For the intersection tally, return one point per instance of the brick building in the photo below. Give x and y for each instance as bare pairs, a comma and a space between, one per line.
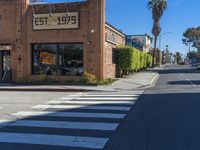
58, 40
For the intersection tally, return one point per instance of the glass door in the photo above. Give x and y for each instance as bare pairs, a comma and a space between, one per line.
5, 69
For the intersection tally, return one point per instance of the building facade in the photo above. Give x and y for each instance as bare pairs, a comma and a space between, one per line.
141, 42
60, 41
114, 38
134, 42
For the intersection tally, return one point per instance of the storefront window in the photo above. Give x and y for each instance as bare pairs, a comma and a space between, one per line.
58, 59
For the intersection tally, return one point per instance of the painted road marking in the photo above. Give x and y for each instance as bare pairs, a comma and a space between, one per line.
5, 122
190, 82
67, 125
71, 114
54, 140
74, 96
114, 95
101, 98
120, 108
93, 102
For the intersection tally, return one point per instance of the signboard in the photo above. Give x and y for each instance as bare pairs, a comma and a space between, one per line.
69, 20
5, 47
111, 37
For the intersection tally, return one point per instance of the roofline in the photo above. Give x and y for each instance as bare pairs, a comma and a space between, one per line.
140, 35
115, 29
56, 3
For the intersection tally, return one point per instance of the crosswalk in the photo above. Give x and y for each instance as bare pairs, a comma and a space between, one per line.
82, 120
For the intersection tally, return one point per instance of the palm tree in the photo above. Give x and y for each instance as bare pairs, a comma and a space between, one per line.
157, 7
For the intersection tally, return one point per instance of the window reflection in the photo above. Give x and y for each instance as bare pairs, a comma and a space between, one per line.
58, 59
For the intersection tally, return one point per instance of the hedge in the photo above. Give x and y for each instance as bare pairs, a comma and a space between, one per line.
130, 59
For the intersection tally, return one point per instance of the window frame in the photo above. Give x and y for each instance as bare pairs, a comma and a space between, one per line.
57, 52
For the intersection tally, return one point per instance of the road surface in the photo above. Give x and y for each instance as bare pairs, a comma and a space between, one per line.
165, 117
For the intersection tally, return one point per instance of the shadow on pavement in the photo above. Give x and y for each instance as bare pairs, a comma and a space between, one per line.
179, 71
161, 122
185, 82
103, 124
155, 122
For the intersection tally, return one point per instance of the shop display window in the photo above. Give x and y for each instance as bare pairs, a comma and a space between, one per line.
57, 59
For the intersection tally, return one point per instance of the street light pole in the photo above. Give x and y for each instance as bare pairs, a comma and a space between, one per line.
160, 38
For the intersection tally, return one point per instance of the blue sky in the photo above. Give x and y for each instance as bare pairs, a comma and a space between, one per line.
133, 17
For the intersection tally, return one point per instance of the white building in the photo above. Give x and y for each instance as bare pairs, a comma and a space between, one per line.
146, 40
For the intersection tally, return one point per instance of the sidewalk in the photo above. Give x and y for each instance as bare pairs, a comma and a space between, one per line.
139, 81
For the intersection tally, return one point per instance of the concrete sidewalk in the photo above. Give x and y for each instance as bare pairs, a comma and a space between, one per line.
140, 80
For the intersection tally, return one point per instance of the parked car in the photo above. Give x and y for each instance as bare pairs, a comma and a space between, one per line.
182, 63
71, 71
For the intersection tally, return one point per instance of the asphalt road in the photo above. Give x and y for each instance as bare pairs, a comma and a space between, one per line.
62, 121
165, 117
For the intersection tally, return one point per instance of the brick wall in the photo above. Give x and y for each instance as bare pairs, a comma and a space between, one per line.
113, 39
16, 26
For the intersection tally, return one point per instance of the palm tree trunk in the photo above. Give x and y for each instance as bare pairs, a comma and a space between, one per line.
154, 51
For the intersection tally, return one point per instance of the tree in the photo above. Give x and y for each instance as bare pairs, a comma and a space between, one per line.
178, 57
157, 7
193, 56
192, 37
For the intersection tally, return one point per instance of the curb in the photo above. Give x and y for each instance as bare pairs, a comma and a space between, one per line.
43, 90
13, 89
151, 83
154, 79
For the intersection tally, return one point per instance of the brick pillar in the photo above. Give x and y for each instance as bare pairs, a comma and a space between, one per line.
20, 37
97, 25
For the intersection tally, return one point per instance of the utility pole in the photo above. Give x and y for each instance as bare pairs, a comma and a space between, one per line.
160, 39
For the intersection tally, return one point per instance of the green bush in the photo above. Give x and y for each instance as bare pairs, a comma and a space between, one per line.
124, 59
106, 82
137, 58
149, 60
88, 78
130, 59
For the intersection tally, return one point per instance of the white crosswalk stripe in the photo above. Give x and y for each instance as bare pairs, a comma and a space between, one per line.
5, 122
101, 98
66, 125
70, 114
138, 92
120, 108
82, 112
114, 95
93, 102
55, 140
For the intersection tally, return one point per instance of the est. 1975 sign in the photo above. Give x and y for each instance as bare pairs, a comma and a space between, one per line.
68, 20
